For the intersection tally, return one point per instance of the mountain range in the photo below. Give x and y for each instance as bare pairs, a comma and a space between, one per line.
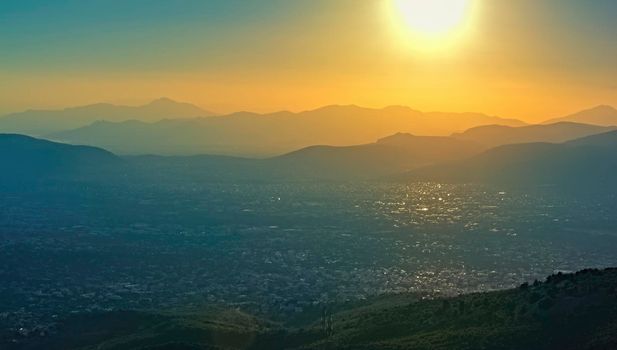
589, 162
263, 135
497, 135
389, 155
257, 135
166, 127
44, 122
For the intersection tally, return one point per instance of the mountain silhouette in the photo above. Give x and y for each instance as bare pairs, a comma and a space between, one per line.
43, 122
497, 135
601, 141
388, 155
29, 159
600, 115
251, 134
586, 163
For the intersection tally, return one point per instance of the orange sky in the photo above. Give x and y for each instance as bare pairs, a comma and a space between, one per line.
527, 59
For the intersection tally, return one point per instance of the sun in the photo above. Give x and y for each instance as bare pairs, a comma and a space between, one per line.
430, 23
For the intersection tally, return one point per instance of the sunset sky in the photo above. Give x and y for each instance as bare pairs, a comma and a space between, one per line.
529, 59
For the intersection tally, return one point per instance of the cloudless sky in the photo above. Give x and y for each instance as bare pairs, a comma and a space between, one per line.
530, 59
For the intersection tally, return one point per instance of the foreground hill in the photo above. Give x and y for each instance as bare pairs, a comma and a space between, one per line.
43, 122
26, 160
600, 115
497, 135
586, 163
567, 311
250, 134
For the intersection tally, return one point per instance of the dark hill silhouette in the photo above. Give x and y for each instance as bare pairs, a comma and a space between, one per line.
566, 312
43, 122
600, 115
586, 163
590, 161
250, 134
604, 140
28, 159
497, 135
32, 158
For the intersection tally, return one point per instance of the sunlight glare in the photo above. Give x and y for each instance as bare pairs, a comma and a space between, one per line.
430, 23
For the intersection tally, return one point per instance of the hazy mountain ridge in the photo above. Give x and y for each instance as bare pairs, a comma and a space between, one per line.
388, 155
43, 122
497, 135
603, 140
457, 158
250, 134
584, 162
567, 311
589, 162
165, 127
590, 159
600, 115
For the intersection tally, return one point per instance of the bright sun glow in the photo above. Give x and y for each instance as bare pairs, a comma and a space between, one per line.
430, 23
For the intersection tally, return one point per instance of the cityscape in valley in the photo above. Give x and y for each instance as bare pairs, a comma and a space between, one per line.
166, 224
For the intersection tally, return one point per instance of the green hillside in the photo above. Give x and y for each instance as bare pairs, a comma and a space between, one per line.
567, 311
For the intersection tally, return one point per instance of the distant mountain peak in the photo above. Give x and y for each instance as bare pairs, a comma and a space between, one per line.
164, 101
400, 108
599, 109
396, 137
556, 132
603, 108
604, 115
337, 107
90, 106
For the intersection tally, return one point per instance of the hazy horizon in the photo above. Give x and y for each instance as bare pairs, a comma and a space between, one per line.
530, 60
211, 112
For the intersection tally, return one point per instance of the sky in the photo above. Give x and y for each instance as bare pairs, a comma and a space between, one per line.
527, 59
